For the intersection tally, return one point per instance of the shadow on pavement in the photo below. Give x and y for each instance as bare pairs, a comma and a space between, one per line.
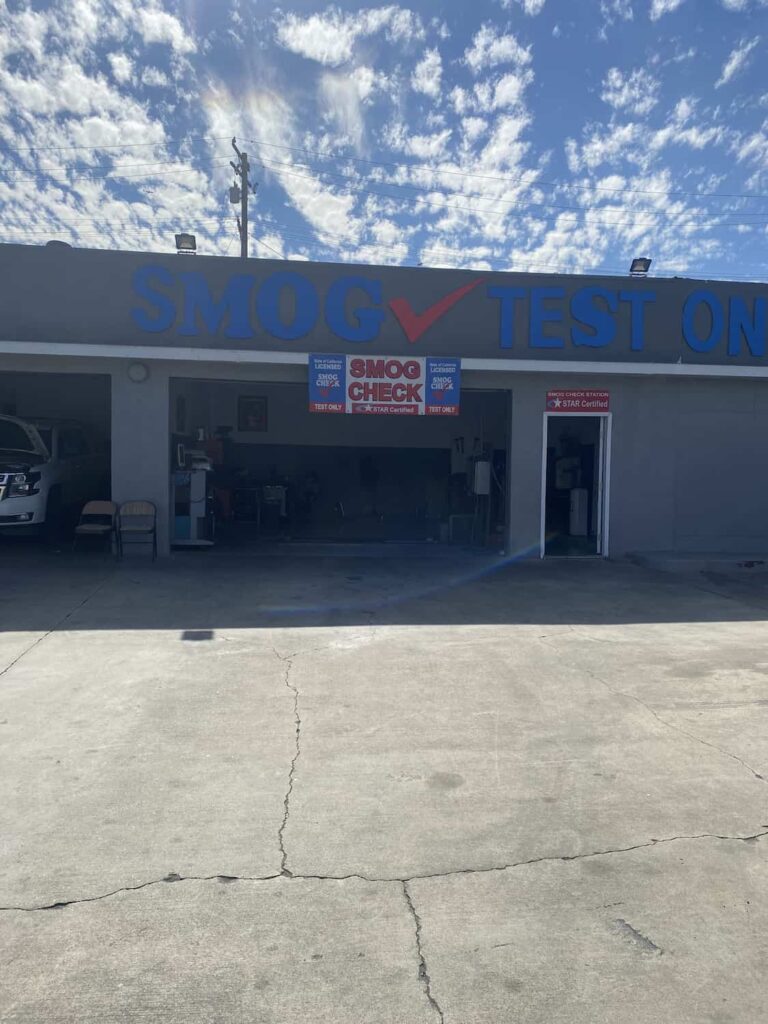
198, 591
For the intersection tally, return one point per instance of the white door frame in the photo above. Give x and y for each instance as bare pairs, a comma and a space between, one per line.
603, 484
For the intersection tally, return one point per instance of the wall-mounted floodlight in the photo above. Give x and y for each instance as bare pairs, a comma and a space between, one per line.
186, 244
640, 266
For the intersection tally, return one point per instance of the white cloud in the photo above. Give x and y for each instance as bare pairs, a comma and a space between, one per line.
367, 81
154, 77
637, 144
743, 5
329, 38
529, 6
614, 9
473, 127
736, 61
343, 97
158, 26
427, 74
461, 100
491, 47
661, 7
508, 91
122, 67
504, 148
403, 25
753, 147
635, 92
90, 187
426, 147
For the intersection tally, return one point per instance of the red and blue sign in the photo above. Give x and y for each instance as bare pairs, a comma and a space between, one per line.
385, 385
442, 387
327, 383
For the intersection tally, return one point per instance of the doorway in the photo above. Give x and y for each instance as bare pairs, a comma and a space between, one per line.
575, 485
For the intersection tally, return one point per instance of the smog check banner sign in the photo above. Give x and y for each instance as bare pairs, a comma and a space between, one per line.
385, 385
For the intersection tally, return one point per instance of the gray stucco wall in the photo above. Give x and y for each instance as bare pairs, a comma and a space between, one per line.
106, 298
687, 463
687, 460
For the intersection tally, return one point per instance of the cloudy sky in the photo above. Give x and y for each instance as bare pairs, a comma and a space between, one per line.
537, 135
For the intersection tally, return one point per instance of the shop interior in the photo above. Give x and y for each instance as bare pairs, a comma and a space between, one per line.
83, 401
572, 497
84, 397
250, 464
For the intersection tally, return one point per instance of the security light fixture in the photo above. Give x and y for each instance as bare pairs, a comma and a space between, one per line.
186, 244
640, 266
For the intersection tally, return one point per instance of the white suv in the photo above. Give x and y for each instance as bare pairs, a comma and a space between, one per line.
48, 468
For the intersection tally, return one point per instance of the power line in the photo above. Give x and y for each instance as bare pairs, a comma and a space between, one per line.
630, 215
110, 175
236, 235
89, 170
513, 179
521, 265
260, 241
529, 179
360, 243
618, 271
123, 145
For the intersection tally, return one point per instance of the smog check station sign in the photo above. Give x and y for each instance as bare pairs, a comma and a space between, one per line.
564, 400
384, 385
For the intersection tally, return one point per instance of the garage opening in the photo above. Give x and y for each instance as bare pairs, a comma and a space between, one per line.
250, 464
54, 450
573, 498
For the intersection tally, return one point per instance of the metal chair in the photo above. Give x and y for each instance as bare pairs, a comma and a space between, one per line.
97, 519
138, 520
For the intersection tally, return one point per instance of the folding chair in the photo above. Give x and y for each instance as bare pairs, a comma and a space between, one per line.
137, 520
97, 519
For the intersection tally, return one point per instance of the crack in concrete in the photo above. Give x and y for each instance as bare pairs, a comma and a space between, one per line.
57, 625
169, 878
424, 978
394, 879
650, 710
288, 662
673, 726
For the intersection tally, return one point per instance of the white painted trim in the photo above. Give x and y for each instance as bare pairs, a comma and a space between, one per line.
606, 510
178, 353
123, 352
615, 369
543, 508
604, 479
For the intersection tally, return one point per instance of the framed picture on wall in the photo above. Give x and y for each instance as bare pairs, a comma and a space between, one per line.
251, 414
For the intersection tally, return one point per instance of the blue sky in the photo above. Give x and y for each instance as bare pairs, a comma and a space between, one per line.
539, 135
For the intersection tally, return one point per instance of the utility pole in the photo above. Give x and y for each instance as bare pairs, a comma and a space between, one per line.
239, 193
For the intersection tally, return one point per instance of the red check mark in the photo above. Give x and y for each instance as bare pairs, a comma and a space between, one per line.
414, 324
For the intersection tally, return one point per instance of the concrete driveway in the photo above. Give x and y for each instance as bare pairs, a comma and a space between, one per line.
381, 791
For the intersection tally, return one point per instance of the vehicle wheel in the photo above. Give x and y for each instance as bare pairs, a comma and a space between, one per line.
53, 527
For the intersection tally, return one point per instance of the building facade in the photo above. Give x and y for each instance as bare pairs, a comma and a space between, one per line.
612, 415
